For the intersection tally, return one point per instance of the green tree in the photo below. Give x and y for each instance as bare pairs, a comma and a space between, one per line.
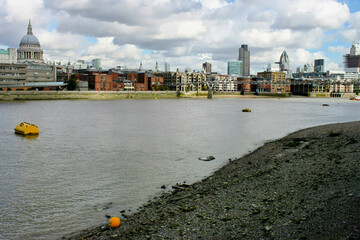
71, 86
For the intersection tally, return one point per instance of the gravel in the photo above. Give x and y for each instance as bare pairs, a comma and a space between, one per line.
303, 186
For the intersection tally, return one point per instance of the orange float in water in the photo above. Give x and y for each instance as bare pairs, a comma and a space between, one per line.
25, 128
114, 222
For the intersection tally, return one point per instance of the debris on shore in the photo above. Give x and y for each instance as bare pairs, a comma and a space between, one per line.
208, 158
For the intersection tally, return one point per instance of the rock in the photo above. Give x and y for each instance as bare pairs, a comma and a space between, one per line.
209, 158
268, 228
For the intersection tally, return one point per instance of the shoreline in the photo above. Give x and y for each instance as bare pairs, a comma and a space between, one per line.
118, 95
303, 186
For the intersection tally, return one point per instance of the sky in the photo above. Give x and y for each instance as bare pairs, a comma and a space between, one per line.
185, 33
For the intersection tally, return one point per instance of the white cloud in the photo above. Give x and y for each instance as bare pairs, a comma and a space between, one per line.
189, 29
184, 32
60, 41
307, 14
21, 11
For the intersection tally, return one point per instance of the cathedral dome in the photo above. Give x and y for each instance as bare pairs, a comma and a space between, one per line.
29, 38
30, 50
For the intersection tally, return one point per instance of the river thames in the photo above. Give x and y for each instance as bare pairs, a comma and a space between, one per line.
97, 158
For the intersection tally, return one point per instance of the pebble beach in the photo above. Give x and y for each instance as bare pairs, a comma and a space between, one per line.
303, 186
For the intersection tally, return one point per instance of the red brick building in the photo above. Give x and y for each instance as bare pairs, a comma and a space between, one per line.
110, 81
97, 81
155, 81
103, 82
244, 84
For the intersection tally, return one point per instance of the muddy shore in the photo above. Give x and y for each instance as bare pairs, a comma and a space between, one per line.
303, 186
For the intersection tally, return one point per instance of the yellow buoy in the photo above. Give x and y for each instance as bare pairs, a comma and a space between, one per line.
114, 222
155, 97
25, 128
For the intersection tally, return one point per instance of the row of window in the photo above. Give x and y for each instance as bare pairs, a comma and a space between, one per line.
39, 67
10, 74
10, 68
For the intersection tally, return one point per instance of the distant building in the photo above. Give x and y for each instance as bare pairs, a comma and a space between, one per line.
284, 64
277, 80
12, 74
244, 84
29, 49
30, 71
272, 67
187, 81
235, 68
309, 68
154, 82
244, 56
223, 82
207, 67
352, 60
319, 65
8, 55
157, 67
355, 49
80, 64
96, 64
166, 67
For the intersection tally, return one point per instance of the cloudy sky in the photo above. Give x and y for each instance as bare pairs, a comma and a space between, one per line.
185, 32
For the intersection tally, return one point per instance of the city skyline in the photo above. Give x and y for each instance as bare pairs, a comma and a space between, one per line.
185, 33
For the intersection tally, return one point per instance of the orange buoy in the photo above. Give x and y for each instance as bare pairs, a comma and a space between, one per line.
114, 222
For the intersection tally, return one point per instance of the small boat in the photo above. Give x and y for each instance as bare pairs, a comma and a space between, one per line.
209, 158
325, 105
356, 97
25, 128
246, 110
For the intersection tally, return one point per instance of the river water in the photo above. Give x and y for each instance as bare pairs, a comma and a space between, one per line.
94, 158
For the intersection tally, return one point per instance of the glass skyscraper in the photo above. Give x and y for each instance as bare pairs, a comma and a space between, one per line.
235, 68
244, 56
319, 65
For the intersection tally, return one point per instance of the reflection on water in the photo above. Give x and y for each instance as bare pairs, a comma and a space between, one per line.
32, 136
91, 153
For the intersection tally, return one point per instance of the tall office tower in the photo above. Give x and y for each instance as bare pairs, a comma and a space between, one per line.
207, 67
319, 65
235, 68
244, 56
284, 64
167, 67
352, 60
